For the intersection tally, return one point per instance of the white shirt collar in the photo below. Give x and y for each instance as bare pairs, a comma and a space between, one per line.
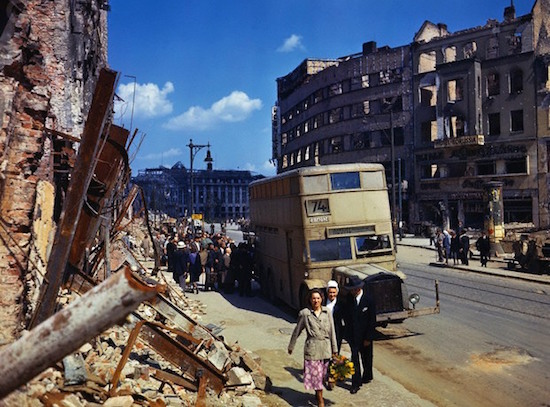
358, 298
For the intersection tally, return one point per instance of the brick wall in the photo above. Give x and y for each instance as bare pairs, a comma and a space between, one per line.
50, 54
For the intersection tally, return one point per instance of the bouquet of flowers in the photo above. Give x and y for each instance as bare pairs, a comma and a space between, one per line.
340, 368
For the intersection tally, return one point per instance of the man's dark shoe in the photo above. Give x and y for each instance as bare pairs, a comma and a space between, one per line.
366, 380
354, 390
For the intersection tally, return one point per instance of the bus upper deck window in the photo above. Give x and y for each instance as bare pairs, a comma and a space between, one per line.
345, 180
373, 180
315, 184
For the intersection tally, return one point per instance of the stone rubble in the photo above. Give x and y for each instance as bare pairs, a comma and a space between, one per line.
83, 379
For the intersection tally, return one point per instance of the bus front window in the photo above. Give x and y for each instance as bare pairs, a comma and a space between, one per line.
345, 180
367, 244
330, 249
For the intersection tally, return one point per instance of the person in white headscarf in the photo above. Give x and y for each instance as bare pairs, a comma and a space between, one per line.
336, 308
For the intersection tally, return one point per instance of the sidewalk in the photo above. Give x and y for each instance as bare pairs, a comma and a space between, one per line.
497, 267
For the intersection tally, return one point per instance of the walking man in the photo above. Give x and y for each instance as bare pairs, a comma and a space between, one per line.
360, 320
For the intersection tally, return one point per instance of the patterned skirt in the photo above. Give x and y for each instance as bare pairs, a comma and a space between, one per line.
314, 374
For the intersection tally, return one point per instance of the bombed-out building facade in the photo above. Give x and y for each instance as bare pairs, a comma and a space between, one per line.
446, 114
218, 194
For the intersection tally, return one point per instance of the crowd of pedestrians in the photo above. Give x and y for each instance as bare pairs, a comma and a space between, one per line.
206, 261
455, 245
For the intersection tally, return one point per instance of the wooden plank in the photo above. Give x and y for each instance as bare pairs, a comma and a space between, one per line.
72, 206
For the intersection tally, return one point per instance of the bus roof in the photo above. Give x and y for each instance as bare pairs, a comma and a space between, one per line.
322, 169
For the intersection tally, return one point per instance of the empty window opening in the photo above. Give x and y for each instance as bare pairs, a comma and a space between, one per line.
428, 96
516, 81
336, 145
457, 126
398, 137
456, 169
516, 120
518, 210
516, 165
455, 90
318, 96
450, 54
335, 89
335, 115
470, 50
493, 84
492, 47
486, 167
429, 131
514, 43
426, 62
494, 124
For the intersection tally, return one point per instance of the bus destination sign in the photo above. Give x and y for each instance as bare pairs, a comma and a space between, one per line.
319, 219
317, 207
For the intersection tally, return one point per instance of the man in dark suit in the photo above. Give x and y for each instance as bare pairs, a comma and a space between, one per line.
360, 320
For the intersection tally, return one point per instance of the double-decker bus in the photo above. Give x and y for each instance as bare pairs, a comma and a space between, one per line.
311, 221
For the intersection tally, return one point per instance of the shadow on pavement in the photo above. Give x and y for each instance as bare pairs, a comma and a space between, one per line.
259, 304
300, 399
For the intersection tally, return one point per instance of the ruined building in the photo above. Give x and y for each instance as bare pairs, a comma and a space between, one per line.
219, 194
50, 56
445, 114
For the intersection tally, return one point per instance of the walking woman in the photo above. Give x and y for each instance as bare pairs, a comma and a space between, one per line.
320, 342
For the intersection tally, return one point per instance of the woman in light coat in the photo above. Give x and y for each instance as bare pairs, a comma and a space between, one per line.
320, 343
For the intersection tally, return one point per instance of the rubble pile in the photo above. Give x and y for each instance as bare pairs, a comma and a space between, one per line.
125, 365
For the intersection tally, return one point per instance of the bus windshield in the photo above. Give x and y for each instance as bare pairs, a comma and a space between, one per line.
341, 248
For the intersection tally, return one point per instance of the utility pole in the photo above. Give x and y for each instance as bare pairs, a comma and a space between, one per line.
193, 150
393, 199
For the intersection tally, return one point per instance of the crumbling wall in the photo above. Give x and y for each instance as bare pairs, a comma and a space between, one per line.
50, 54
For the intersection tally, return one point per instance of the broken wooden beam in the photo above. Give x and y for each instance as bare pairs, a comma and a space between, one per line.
106, 172
103, 306
81, 175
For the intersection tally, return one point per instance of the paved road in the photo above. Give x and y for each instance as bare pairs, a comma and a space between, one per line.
488, 347
265, 329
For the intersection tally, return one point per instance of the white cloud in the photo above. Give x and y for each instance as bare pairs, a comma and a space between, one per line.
150, 100
236, 107
269, 165
292, 43
173, 152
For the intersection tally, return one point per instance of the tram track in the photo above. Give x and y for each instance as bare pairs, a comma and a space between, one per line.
474, 292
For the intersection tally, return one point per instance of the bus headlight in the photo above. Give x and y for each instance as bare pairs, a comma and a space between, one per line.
414, 299
306, 274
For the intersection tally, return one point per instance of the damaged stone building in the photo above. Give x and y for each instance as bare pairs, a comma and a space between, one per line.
50, 56
445, 114
218, 194
86, 317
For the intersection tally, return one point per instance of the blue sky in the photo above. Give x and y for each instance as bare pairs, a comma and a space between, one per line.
207, 69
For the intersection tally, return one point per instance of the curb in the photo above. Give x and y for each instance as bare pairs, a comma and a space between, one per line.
541, 279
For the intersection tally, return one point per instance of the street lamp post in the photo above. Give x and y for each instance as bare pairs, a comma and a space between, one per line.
193, 150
